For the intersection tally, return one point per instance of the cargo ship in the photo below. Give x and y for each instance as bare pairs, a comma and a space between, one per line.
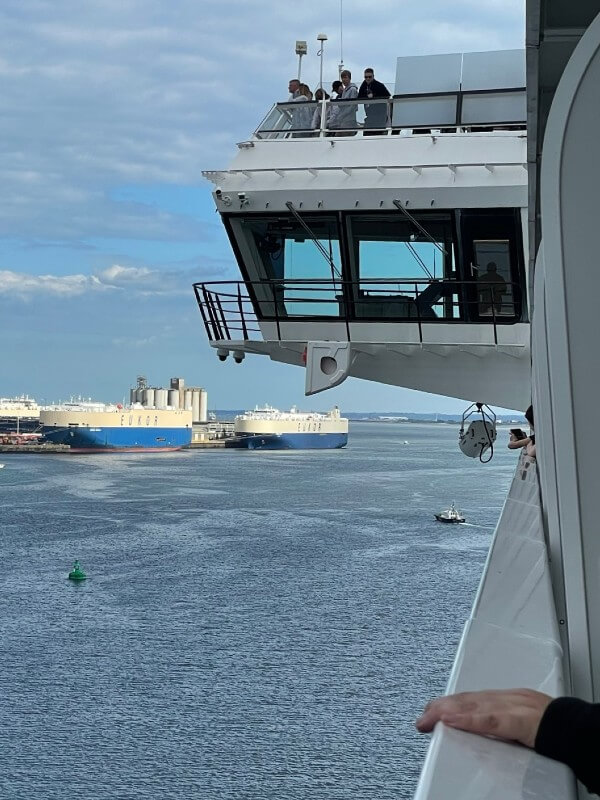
268, 428
89, 427
19, 414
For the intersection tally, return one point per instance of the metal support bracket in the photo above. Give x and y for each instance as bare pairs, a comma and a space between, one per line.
327, 365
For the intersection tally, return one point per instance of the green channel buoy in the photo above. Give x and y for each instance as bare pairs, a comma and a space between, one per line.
77, 574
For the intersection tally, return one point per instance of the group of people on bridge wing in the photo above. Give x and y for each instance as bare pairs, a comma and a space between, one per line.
340, 116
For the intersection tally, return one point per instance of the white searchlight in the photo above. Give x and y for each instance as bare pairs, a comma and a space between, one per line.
480, 436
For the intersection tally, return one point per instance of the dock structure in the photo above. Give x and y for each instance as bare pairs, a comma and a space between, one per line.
34, 448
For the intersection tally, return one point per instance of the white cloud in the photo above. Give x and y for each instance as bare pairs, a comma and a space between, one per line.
143, 91
136, 281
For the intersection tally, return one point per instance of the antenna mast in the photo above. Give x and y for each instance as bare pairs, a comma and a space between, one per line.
341, 64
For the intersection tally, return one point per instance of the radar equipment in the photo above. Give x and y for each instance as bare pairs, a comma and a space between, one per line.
322, 38
301, 50
481, 433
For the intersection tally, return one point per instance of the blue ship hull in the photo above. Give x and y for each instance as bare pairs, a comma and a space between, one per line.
292, 441
121, 440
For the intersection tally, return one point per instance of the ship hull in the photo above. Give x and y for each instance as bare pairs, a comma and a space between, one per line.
291, 441
119, 440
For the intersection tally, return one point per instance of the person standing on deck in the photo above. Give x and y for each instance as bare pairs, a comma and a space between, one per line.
370, 89
345, 116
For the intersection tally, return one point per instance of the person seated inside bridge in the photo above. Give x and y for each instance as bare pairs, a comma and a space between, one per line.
491, 288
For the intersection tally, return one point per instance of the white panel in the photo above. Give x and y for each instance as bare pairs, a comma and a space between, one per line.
510, 641
570, 175
475, 768
421, 74
495, 69
424, 111
494, 107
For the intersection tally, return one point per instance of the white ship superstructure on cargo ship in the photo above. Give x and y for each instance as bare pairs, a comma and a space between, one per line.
19, 413
268, 428
89, 427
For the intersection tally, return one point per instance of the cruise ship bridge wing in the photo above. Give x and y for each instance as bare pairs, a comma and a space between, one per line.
400, 243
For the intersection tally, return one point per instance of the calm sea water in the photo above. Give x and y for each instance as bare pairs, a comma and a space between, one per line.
255, 625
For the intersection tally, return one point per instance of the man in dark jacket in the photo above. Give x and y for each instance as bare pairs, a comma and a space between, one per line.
370, 89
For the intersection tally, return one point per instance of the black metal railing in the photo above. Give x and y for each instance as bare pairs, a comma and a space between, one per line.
439, 110
234, 309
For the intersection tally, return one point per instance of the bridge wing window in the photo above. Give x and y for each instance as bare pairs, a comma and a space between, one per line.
292, 273
400, 271
493, 262
494, 284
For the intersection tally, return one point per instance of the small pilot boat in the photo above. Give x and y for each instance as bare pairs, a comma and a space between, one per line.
450, 515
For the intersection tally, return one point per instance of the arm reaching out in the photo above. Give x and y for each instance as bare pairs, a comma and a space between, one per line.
566, 729
512, 714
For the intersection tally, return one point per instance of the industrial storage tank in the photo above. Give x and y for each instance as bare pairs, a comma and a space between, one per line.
203, 406
161, 398
139, 396
149, 398
132, 395
187, 401
196, 405
174, 398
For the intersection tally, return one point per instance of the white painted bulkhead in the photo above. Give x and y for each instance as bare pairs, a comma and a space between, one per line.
445, 171
116, 418
281, 423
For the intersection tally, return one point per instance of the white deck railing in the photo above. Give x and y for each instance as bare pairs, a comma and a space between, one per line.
511, 640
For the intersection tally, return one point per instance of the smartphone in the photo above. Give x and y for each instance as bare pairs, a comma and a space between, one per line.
518, 433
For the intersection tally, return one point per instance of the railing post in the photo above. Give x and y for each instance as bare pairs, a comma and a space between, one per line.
276, 311
346, 299
418, 314
218, 333
201, 307
223, 319
324, 110
240, 306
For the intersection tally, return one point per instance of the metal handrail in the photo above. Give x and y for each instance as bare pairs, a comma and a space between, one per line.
229, 308
292, 118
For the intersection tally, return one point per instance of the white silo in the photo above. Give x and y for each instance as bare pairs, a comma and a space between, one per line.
139, 396
174, 398
187, 400
149, 398
161, 397
196, 405
132, 395
203, 406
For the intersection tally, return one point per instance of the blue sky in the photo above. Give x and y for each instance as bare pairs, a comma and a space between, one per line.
110, 110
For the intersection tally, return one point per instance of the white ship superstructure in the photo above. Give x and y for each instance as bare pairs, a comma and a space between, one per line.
268, 428
16, 411
397, 257
400, 257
